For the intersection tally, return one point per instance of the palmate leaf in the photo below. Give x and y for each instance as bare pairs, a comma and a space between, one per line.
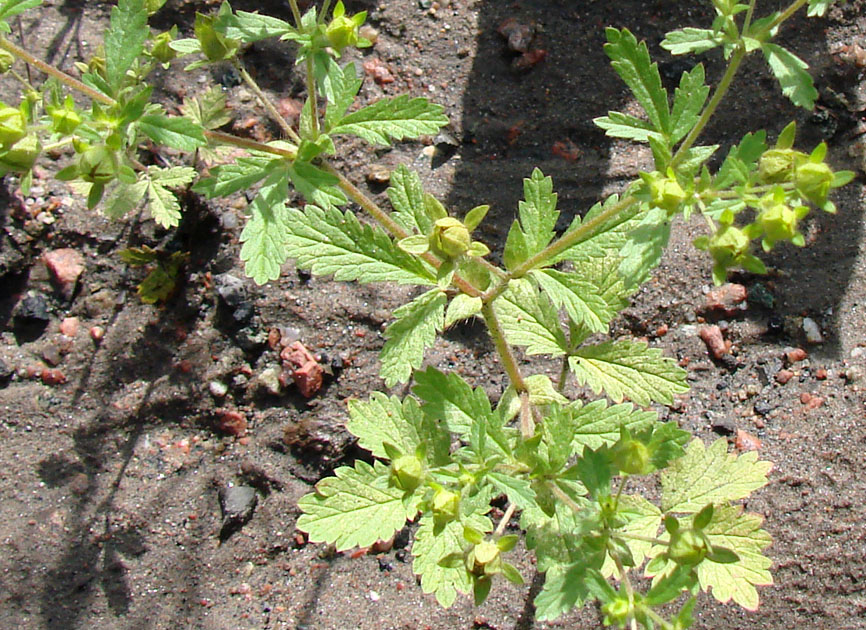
414, 330
317, 186
429, 548
382, 420
124, 39
393, 119
250, 27
632, 63
124, 198
161, 202
334, 242
530, 320
628, 369
266, 235
537, 220
355, 508
11, 8
691, 40
596, 423
407, 197
449, 397
208, 110
518, 490
710, 475
791, 73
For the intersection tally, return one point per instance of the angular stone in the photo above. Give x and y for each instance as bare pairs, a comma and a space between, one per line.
65, 266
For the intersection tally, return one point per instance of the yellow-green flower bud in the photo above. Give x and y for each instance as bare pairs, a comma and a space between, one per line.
22, 155
446, 506
6, 61
813, 181
450, 237
688, 547
777, 165
161, 51
65, 120
484, 559
407, 472
342, 31
96, 165
13, 127
667, 194
616, 612
728, 245
632, 457
778, 222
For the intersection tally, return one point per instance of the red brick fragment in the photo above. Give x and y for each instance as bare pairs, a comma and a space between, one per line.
745, 441
231, 422
716, 344
306, 371
65, 266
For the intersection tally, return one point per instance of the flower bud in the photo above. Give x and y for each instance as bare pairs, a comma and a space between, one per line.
616, 612
13, 127
6, 61
728, 245
777, 165
484, 559
813, 181
450, 237
96, 165
161, 50
632, 457
446, 505
407, 472
667, 193
778, 222
214, 45
342, 31
688, 547
22, 155
65, 120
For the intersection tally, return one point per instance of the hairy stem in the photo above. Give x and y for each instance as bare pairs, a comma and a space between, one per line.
265, 101
312, 98
296, 13
506, 355
324, 11
629, 590
247, 143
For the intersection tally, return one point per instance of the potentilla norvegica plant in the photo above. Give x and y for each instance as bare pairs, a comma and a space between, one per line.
445, 451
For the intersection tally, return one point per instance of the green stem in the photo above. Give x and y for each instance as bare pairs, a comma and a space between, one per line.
58, 144
649, 539
784, 15
509, 362
563, 375
562, 496
313, 99
629, 590
50, 70
296, 13
325, 6
265, 101
665, 625
747, 22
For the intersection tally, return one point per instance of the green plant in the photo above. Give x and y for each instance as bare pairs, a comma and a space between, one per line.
445, 452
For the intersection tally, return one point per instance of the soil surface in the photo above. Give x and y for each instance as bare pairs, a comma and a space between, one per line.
122, 424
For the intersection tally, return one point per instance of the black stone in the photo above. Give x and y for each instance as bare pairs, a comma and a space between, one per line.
238, 504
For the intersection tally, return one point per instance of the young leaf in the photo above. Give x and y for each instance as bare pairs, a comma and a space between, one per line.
355, 508
393, 119
162, 205
381, 419
462, 307
710, 475
631, 61
628, 369
689, 99
580, 296
517, 489
230, 178
332, 242
250, 27
741, 160
691, 40
449, 397
596, 423
124, 39
178, 133
619, 125
11, 8
818, 7
595, 470
317, 186
444, 580
740, 532
530, 320
266, 235
173, 176
124, 198
407, 198
340, 86
564, 588
413, 331
791, 73
209, 110
538, 215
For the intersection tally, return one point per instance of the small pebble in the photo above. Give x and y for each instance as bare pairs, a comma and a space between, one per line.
218, 389
813, 332
97, 333
783, 376
796, 354
745, 441
69, 326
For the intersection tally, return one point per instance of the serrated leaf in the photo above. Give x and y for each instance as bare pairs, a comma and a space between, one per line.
429, 548
124, 39
178, 133
250, 27
381, 420
407, 197
564, 588
11, 8
317, 186
230, 178
340, 86
124, 198
691, 40
710, 475
266, 235
355, 508
644, 247
741, 160
529, 319
628, 369
462, 307
818, 8
741, 533
414, 330
162, 205
596, 424
518, 490
642, 519
632, 63
449, 397
173, 176
619, 125
333, 242
689, 99
581, 298
537, 220
208, 110
791, 73
393, 119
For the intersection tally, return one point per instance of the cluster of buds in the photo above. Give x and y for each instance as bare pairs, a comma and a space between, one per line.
664, 191
343, 30
18, 149
483, 560
730, 246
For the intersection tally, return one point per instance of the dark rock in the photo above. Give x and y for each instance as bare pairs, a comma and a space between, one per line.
775, 325
385, 565
760, 295
238, 504
723, 425
762, 408
767, 372
234, 297
33, 309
